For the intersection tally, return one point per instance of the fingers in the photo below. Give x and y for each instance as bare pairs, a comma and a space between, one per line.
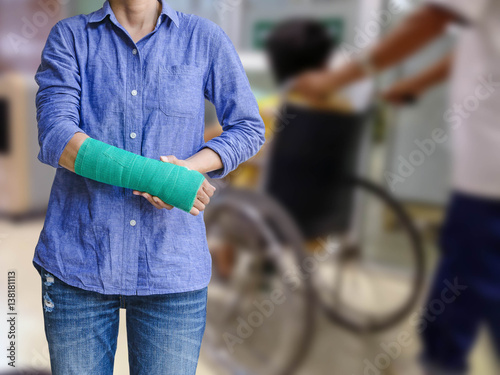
162, 204
203, 196
172, 160
155, 201
159, 204
399, 97
208, 188
199, 205
150, 200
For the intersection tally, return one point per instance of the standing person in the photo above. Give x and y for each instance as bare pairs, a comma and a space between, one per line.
118, 88
470, 261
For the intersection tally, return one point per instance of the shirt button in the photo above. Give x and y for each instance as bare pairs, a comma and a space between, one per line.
133, 135
134, 51
134, 92
133, 222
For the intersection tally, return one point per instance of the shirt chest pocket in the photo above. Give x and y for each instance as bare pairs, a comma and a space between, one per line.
180, 90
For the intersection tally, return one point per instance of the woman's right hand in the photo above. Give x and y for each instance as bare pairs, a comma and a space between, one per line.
205, 192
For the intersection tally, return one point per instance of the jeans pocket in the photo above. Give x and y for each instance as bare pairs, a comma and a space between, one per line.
180, 90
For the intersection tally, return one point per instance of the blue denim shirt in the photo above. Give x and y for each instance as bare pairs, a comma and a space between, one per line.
147, 98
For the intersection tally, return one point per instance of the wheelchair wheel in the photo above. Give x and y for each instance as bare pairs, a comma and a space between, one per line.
259, 312
372, 274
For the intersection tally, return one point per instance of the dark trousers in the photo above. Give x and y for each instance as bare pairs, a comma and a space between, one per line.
466, 287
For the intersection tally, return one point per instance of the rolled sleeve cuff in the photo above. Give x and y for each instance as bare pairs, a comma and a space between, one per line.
218, 146
54, 144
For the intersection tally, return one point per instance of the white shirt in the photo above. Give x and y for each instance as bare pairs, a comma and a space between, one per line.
474, 108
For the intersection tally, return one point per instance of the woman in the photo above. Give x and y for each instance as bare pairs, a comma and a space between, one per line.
119, 88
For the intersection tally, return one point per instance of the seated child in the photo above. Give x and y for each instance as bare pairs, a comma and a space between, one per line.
294, 46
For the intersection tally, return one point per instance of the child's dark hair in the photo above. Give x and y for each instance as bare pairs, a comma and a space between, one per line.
297, 45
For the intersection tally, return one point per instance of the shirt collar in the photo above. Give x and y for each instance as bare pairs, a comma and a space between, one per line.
106, 10
169, 12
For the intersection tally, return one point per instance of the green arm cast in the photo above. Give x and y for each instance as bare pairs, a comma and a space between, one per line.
171, 183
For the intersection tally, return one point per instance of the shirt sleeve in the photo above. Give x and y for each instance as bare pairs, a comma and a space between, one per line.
228, 88
58, 97
468, 10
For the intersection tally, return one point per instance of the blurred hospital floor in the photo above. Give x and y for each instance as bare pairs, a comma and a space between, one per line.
334, 351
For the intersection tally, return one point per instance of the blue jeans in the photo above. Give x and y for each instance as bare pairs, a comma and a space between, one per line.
164, 331
466, 288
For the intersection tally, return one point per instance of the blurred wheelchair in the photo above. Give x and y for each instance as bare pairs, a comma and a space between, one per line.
314, 233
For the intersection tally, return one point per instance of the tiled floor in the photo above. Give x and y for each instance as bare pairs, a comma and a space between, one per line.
334, 351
